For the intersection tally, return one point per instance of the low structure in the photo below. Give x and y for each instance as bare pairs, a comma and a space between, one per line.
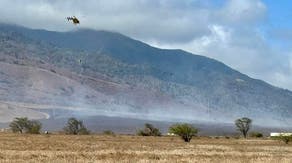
171, 134
280, 134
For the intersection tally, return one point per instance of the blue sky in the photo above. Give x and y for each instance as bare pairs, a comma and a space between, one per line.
279, 13
279, 18
252, 36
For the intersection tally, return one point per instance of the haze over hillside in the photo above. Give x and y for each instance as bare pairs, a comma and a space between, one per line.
87, 72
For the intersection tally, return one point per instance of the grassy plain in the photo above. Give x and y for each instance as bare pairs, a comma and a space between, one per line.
122, 148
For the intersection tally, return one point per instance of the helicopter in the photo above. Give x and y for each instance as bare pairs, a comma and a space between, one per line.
74, 20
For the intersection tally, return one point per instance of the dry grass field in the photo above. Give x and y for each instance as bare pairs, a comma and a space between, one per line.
98, 148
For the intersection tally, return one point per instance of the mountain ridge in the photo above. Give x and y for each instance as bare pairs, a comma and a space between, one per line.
194, 84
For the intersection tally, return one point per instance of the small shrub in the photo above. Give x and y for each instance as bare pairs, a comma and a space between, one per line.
236, 137
284, 138
83, 131
256, 135
34, 127
149, 130
108, 132
75, 127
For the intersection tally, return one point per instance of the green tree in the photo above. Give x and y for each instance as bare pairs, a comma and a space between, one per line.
75, 127
24, 125
243, 125
19, 124
185, 131
149, 130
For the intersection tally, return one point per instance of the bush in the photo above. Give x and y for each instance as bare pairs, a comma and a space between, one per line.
75, 127
149, 130
186, 131
34, 127
24, 125
256, 135
83, 131
108, 132
284, 138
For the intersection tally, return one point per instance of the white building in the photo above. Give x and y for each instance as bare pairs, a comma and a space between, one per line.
280, 134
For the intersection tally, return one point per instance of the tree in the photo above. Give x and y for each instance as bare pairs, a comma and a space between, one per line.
24, 125
19, 124
149, 130
185, 131
75, 127
243, 125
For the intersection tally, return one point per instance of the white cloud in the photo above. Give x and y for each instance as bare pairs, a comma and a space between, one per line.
227, 31
242, 11
244, 50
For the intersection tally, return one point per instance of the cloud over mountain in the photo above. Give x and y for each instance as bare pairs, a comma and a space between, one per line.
228, 30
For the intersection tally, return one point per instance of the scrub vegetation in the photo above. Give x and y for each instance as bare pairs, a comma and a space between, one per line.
127, 148
77, 144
